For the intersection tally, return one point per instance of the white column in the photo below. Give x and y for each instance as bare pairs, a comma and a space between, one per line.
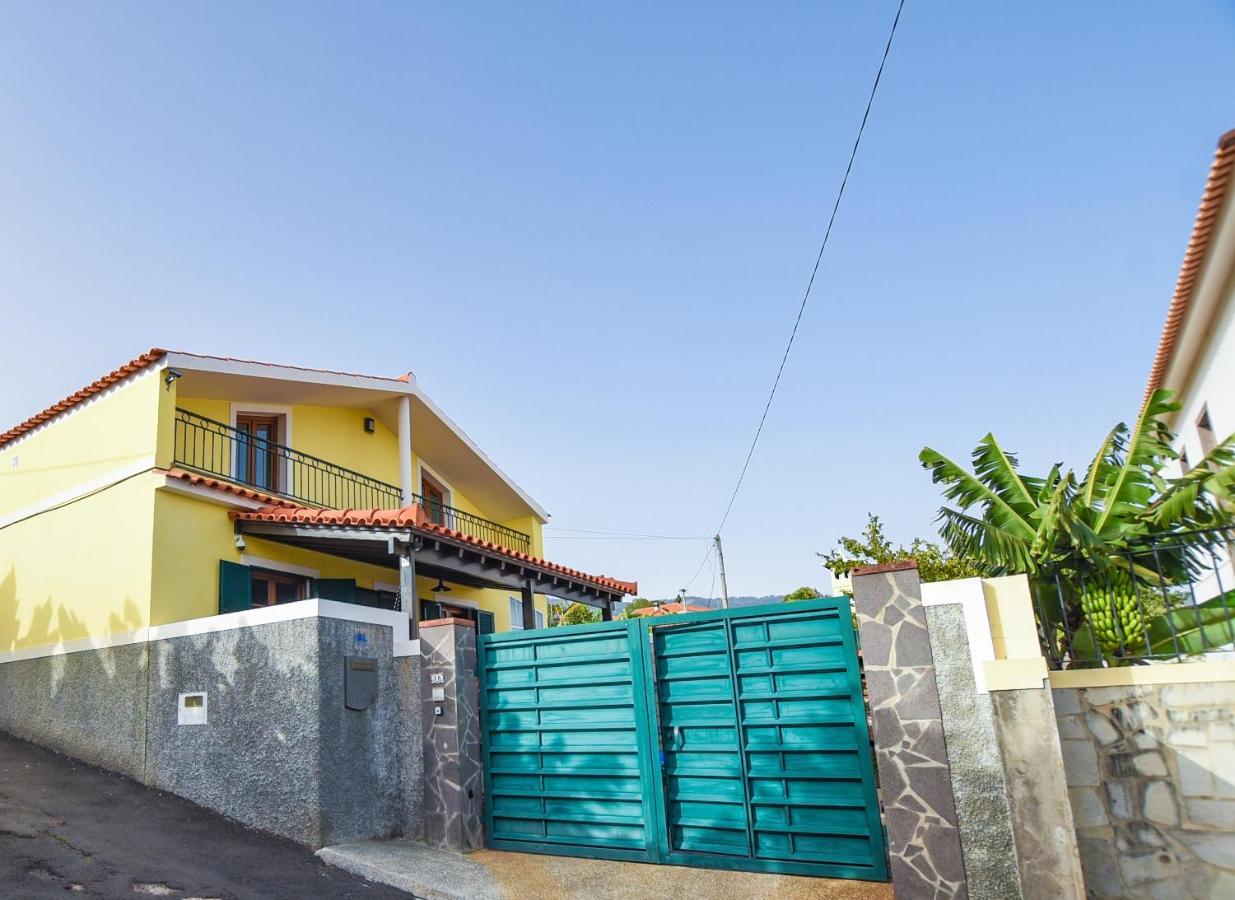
405, 449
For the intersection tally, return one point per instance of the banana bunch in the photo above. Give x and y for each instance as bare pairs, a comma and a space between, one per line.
1116, 619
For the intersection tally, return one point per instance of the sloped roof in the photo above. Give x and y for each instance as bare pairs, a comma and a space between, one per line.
415, 518
1216, 189
666, 609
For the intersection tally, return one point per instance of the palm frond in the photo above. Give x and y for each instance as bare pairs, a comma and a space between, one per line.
984, 542
1054, 512
1201, 497
997, 468
1126, 492
967, 490
1100, 467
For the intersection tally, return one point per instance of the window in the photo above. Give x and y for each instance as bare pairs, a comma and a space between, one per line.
540, 619
516, 613
269, 588
257, 452
1205, 431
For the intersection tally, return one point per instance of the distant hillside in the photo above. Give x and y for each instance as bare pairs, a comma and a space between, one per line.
714, 602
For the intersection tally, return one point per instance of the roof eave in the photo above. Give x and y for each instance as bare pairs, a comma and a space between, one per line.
1204, 227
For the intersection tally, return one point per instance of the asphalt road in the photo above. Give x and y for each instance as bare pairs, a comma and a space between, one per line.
68, 829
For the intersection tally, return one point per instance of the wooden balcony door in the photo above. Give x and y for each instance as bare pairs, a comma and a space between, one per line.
435, 500
257, 457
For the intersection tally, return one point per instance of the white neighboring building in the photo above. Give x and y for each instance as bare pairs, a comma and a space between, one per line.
1196, 354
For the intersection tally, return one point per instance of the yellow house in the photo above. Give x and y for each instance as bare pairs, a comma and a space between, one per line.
182, 486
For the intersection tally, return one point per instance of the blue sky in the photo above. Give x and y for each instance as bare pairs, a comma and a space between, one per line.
587, 230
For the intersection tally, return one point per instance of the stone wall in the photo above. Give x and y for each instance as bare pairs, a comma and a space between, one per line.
453, 809
279, 752
924, 849
1151, 777
88, 705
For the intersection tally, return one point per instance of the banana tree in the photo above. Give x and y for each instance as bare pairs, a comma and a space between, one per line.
1103, 531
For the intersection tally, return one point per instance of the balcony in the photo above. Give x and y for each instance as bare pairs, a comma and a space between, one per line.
213, 448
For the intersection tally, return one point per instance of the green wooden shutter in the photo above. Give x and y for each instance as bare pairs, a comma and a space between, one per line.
341, 589
484, 622
235, 587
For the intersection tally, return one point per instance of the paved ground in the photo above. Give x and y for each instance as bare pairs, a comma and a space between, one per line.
67, 829
493, 875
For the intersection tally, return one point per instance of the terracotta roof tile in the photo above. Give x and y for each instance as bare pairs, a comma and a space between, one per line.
133, 365
207, 482
666, 609
414, 517
1202, 230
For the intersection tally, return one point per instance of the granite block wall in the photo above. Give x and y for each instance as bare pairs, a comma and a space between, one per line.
983, 814
279, 751
91, 705
1151, 778
257, 758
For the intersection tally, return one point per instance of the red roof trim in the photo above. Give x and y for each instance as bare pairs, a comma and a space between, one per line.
132, 366
227, 487
1198, 245
414, 517
670, 609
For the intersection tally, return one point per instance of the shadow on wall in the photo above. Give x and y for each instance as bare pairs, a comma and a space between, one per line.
279, 752
118, 708
1151, 777
88, 705
41, 631
259, 751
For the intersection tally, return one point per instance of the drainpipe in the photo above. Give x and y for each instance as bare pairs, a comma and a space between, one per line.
405, 449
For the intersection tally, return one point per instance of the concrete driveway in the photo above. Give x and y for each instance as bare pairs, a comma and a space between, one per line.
67, 829
495, 875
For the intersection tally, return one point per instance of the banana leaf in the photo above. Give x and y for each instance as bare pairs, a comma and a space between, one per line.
1206, 626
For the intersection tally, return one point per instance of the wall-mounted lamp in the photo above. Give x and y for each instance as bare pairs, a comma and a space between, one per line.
240, 545
171, 376
370, 424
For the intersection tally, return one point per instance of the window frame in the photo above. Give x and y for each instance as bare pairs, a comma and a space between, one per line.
283, 462
432, 483
273, 578
1205, 434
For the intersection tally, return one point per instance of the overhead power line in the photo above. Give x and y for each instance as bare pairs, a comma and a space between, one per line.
870, 100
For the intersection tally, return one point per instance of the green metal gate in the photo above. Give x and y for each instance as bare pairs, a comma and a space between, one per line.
730, 739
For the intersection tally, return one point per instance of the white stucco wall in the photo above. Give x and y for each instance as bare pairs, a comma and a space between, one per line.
1212, 385
1203, 371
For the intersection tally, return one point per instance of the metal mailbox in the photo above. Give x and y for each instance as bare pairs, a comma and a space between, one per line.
359, 682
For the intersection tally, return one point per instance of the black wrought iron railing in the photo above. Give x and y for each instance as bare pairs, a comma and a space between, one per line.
475, 526
1165, 599
214, 448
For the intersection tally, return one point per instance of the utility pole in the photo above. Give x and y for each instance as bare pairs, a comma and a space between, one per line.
724, 585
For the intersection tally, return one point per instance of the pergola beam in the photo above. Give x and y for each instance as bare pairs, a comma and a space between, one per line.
432, 557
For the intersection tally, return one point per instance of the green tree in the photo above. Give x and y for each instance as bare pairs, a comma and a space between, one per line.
637, 603
1063, 531
580, 614
803, 593
873, 548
